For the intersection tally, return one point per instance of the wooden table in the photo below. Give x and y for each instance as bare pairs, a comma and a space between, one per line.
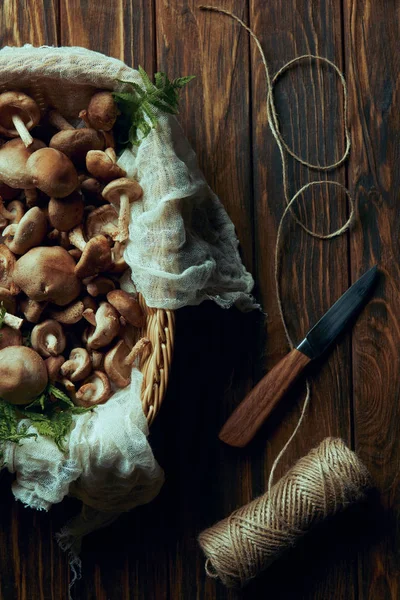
152, 552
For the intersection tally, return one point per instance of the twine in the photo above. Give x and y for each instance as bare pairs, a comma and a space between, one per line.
318, 486
273, 122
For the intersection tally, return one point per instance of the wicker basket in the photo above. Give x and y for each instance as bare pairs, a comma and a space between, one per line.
155, 365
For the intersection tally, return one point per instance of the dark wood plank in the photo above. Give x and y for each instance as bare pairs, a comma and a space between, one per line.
314, 273
214, 357
372, 33
31, 564
29, 22
123, 29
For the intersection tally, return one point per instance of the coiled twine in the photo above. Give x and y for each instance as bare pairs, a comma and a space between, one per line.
318, 486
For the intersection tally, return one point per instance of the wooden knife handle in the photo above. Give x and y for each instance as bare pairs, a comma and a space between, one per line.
251, 413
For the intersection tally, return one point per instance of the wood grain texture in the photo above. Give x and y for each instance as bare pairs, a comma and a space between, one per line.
152, 552
309, 102
372, 33
254, 410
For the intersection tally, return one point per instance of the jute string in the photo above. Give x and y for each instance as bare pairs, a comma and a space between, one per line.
284, 149
318, 486
329, 477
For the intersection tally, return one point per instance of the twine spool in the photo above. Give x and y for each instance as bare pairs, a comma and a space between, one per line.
318, 486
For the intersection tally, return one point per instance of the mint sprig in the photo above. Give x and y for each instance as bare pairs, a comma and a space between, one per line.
139, 107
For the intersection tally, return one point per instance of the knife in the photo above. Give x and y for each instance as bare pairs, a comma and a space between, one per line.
251, 413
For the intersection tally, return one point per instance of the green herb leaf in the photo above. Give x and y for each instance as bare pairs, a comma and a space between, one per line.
138, 108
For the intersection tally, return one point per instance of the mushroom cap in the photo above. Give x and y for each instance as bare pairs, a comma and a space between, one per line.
102, 167
53, 366
52, 172
96, 257
130, 187
102, 221
10, 337
32, 310
78, 366
48, 338
17, 103
8, 300
69, 315
91, 189
102, 111
66, 213
118, 372
117, 252
47, 273
96, 389
100, 286
29, 232
7, 265
127, 306
76, 143
23, 374
107, 327
13, 160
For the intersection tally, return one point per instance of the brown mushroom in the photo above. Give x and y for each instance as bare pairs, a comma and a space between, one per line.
31, 309
102, 221
23, 374
66, 213
13, 160
96, 253
75, 253
13, 213
100, 286
106, 326
7, 299
10, 337
127, 306
103, 165
97, 359
52, 172
29, 232
77, 143
96, 389
70, 315
18, 114
102, 111
91, 189
53, 366
47, 273
7, 265
48, 338
122, 192
78, 366
119, 360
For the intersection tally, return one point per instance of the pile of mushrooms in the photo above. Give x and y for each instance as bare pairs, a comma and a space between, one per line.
64, 221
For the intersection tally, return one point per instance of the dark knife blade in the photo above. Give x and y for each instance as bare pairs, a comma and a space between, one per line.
336, 318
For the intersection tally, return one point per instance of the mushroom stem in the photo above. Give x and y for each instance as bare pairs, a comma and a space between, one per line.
22, 130
90, 316
31, 197
123, 218
76, 237
111, 154
12, 321
10, 231
136, 351
58, 121
4, 212
51, 344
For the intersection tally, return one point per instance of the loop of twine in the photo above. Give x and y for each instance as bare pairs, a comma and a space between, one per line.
283, 147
